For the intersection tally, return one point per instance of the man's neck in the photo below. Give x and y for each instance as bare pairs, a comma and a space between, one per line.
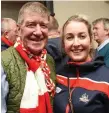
104, 39
102, 44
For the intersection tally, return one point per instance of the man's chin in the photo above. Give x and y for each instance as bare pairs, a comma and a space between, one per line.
35, 51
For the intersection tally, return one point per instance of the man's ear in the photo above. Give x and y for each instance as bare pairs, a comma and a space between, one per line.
18, 29
107, 32
5, 34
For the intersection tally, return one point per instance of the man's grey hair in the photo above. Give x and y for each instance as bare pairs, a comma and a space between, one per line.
104, 20
35, 7
6, 24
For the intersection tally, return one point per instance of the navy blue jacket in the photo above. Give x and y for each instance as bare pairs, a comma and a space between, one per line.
85, 85
54, 48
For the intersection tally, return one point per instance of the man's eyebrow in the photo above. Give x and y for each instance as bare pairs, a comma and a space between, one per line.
30, 21
45, 22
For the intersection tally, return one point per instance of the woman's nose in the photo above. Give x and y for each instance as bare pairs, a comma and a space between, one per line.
76, 41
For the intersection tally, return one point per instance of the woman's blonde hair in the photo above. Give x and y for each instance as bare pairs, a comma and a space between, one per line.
78, 18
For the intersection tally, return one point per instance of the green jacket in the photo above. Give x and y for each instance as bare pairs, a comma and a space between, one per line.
15, 69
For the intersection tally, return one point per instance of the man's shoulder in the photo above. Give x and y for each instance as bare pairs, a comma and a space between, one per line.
105, 48
107, 45
7, 51
8, 54
49, 57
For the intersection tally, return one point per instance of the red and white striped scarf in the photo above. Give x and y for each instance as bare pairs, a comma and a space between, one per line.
7, 42
35, 98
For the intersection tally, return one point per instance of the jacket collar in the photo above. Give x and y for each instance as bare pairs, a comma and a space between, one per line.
87, 66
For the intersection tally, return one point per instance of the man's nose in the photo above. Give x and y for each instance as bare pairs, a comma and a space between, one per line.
37, 30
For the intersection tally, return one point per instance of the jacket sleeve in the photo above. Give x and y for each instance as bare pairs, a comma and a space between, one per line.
4, 91
51, 63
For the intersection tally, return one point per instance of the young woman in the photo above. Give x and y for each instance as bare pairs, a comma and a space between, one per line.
82, 82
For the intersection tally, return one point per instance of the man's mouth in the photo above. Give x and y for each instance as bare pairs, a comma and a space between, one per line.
37, 39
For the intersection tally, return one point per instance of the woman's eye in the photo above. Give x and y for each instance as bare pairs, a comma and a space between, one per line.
82, 36
69, 37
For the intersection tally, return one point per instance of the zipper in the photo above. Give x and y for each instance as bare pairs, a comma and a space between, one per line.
70, 100
70, 105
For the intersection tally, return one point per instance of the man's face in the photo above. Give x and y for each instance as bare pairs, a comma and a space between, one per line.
34, 32
99, 32
12, 34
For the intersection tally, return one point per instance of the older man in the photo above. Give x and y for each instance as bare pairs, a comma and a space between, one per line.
8, 32
101, 36
29, 69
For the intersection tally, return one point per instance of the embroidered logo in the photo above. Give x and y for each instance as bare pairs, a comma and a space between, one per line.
84, 98
58, 89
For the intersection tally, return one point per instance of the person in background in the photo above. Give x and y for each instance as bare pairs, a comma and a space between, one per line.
54, 46
101, 36
8, 33
83, 82
54, 42
29, 70
53, 27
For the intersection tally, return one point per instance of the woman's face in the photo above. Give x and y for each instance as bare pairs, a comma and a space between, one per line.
77, 41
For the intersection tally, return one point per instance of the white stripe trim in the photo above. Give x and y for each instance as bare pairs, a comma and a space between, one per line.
94, 80
74, 78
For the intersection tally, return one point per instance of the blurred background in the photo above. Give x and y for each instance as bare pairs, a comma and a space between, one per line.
62, 9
